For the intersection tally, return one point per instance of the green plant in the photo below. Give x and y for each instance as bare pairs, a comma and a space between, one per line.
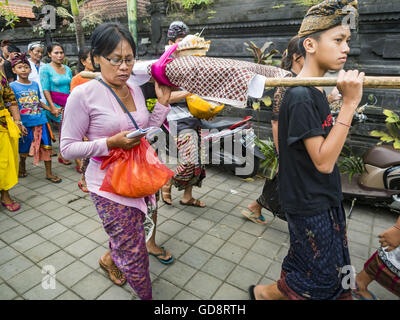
307, 3
187, 5
271, 160
7, 15
261, 55
393, 129
350, 164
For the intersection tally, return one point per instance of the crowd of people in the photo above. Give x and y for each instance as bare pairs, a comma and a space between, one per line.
94, 117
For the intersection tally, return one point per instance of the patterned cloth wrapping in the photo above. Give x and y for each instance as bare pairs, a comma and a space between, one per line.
328, 14
221, 80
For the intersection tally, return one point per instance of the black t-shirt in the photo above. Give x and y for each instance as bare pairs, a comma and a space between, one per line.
304, 190
149, 92
8, 71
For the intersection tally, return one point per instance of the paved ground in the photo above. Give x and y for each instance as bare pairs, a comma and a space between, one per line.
218, 252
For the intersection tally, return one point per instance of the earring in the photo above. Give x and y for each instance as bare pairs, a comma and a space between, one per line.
96, 65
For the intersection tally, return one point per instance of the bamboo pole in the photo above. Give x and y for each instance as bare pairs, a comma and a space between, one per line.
369, 82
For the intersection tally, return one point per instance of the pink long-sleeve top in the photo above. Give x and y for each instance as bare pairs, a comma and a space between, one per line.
93, 111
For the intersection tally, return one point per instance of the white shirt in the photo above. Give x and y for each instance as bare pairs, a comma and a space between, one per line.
34, 76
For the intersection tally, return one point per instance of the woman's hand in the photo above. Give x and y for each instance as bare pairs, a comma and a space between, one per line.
390, 238
121, 141
163, 93
22, 128
55, 112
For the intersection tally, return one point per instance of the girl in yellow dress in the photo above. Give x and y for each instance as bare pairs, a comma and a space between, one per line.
10, 131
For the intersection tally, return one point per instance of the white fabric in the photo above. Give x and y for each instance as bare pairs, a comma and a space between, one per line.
34, 76
140, 75
394, 257
257, 86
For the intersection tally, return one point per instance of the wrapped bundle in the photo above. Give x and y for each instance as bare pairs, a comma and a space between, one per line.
226, 81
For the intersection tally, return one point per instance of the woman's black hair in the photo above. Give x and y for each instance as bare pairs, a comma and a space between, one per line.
292, 49
106, 37
82, 55
52, 45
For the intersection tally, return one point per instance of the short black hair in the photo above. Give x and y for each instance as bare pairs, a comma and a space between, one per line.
82, 55
106, 37
52, 45
13, 48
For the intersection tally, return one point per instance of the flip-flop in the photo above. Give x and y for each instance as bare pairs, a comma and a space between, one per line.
251, 292
250, 215
80, 185
12, 207
55, 180
162, 197
164, 253
358, 296
22, 175
192, 202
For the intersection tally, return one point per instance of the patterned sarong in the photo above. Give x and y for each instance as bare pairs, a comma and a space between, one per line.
36, 143
222, 80
318, 252
191, 169
376, 268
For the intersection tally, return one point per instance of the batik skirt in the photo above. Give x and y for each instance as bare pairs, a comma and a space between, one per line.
191, 157
383, 272
125, 227
36, 143
318, 252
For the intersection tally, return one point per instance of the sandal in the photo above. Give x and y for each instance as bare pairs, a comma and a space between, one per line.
113, 270
78, 169
166, 196
163, 254
64, 162
192, 202
251, 292
358, 296
22, 174
54, 179
250, 215
12, 207
82, 187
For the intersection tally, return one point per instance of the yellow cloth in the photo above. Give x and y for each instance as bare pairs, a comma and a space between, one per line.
8, 152
326, 15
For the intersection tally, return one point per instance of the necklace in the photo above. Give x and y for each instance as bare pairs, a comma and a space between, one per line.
126, 94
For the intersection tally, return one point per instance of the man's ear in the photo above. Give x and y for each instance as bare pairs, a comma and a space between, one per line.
310, 45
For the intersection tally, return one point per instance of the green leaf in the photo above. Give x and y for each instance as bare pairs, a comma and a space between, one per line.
256, 105
377, 134
387, 138
267, 101
396, 144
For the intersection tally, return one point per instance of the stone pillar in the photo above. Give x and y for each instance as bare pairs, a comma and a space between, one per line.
157, 9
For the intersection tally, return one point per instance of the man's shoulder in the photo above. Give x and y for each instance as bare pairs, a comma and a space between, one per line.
299, 94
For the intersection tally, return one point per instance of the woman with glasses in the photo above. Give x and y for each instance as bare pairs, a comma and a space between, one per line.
55, 79
94, 111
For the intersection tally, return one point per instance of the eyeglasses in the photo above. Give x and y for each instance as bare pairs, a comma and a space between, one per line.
118, 62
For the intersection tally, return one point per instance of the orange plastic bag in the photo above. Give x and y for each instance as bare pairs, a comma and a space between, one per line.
134, 173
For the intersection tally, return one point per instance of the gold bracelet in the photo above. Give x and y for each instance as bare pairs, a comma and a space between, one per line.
18, 122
